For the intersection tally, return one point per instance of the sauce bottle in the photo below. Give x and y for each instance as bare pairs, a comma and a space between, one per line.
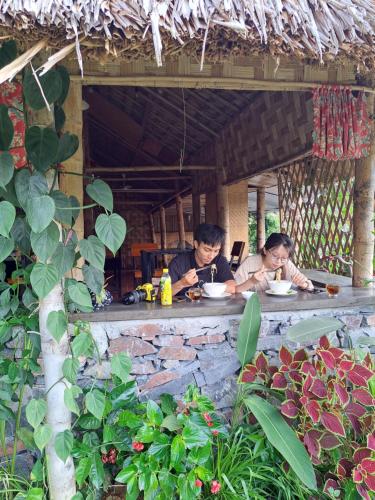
166, 289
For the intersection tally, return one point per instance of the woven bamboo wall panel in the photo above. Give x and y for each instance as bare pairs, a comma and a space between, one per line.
316, 210
276, 127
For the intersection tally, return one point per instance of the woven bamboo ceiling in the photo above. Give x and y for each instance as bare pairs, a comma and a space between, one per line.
130, 129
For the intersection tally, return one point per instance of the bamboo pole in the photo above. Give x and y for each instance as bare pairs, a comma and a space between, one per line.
223, 211
163, 231
261, 218
152, 228
180, 221
363, 211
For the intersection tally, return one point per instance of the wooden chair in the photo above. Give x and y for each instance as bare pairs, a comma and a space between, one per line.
236, 254
135, 253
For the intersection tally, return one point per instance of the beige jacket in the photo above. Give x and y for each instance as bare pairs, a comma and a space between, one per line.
254, 262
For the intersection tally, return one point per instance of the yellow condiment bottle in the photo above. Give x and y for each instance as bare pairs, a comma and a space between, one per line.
166, 289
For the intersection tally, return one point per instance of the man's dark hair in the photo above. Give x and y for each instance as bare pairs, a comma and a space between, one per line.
277, 239
209, 234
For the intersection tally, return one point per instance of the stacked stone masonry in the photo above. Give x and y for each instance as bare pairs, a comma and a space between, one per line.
169, 354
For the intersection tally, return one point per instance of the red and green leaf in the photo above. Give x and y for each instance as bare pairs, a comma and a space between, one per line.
370, 482
346, 365
249, 374
363, 491
342, 393
344, 468
361, 454
329, 441
289, 409
360, 375
296, 376
308, 367
261, 362
279, 381
333, 423
318, 388
371, 441
314, 410
327, 357
324, 343
300, 355
368, 464
285, 356
332, 488
312, 444
336, 352
363, 396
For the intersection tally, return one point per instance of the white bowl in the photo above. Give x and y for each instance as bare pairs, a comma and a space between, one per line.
214, 289
246, 295
281, 286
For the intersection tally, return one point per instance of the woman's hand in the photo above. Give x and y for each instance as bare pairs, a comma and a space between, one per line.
260, 275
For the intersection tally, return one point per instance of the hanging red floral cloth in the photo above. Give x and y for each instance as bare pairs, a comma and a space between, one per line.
341, 128
11, 96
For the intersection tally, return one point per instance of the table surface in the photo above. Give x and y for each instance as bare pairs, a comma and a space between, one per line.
321, 278
348, 297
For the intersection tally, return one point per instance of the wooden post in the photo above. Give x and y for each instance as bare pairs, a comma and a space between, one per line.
211, 208
223, 211
180, 221
363, 211
261, 218
152, 228
196, 203
163, 228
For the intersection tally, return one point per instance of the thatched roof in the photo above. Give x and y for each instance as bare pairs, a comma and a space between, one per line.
304, 29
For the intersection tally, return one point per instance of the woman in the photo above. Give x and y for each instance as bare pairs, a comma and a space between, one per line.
257, 270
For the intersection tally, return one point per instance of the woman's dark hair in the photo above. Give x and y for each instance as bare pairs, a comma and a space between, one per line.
277, 239
209, 234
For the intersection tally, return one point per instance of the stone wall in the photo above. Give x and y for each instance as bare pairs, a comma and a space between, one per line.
169, 354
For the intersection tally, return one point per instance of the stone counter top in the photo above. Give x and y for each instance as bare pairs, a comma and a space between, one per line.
348, 297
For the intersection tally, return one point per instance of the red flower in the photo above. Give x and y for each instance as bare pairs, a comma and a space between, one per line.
207, 417
137, 446
210, 424
215, 432
215, 487
198, 483
104, 459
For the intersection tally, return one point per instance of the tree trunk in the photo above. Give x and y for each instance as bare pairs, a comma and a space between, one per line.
61, 476
363, 211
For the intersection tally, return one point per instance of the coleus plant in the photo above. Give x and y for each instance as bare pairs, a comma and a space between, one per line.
329, 401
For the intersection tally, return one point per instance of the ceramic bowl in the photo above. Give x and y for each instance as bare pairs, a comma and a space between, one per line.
281, 286
246, 295
214, 289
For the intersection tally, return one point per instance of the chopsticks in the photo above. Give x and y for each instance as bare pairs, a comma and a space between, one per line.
203, 268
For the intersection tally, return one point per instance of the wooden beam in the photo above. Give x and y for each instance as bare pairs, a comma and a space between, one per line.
363, 211
180, 221
206, 82
131, 202
149, 168
151, 178
172, 198
261, 218
142, 190
196, 203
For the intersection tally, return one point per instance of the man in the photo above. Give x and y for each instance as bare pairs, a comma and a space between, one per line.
208, 240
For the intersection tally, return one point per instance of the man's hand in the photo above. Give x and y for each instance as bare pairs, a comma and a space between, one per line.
189, 278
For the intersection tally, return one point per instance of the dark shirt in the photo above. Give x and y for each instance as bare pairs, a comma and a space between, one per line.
185, 261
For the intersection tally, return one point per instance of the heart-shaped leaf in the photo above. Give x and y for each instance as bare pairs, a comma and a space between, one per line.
63, 211
21, 234
68, 145
95, 403
57, 324
40, 212
74, 203
8, 52
100, 192
29, 186
51, 84
45, 243
63, 258
94, 278
41, 146
9, 193
79, 294
70, 369
7, 217
6, 168
59, 118
93, 251
6, 247
42, 436
43, 278
36, 410
64, 444
121, 365
111, 230
6, 128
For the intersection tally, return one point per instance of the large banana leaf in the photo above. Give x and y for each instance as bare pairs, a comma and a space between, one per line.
312, 329
248, 332
283, 438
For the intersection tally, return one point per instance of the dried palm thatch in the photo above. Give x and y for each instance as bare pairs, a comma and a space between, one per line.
305, 29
